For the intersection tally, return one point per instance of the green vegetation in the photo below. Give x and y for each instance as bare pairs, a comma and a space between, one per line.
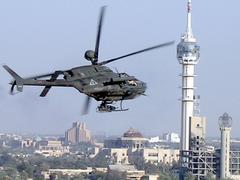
15, 165
163, 170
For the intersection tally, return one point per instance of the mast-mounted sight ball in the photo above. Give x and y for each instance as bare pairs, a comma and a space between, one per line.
90, 55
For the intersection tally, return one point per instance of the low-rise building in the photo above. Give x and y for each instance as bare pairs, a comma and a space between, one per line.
133, 146
129, 170
159, 155
51, 148
119, 155
131, 139
69, 172
171, 137
28, 143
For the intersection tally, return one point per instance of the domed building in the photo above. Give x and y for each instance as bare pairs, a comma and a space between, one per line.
132, 133
132, 139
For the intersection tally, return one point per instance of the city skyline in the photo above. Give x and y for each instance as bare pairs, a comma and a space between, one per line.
48, 41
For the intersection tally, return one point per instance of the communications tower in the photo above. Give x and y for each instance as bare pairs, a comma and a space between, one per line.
188, 53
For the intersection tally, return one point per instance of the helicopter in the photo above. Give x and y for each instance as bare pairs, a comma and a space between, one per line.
97, 81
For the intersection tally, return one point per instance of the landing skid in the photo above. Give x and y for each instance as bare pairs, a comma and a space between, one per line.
105, 107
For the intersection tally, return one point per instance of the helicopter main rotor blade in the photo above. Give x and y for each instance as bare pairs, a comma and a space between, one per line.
86, 105
137, 52
101, 17
41, 76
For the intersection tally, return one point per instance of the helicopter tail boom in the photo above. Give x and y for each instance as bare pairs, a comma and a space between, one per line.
18, 81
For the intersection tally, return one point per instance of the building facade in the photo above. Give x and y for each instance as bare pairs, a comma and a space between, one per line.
77, 134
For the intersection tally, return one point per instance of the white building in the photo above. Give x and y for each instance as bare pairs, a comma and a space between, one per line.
171, 137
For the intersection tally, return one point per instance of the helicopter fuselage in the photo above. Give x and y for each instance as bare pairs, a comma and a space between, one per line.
98, 82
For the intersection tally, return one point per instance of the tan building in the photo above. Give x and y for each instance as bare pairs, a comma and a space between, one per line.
130, 171
78, 133
119, 155
159, 155
51, 148
69, 172
150, 177
133, 146
131, 139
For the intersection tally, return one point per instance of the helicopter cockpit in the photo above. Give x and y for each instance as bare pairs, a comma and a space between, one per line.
132, 83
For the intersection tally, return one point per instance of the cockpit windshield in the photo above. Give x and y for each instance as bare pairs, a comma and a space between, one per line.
123, 75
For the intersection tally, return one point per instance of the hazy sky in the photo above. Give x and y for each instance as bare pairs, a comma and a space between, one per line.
42, 36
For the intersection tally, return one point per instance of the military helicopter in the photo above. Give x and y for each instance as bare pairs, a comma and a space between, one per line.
96, 80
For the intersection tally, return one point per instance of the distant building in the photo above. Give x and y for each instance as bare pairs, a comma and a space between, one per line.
77, 134
131, 139
197, 132
118, 155
129, 170
159, 155
67, 172
28, 143
51, 148
155, 139
171, 137
133, 146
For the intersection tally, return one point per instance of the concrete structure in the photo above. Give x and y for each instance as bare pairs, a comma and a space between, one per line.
200, 162
225, 123
235, 164
197, 132
77, 134
188, 56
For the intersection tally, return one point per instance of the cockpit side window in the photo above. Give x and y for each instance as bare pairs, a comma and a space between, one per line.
132, 83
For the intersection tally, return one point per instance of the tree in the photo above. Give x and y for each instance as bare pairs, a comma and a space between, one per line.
210, 176
189, 176
115, 175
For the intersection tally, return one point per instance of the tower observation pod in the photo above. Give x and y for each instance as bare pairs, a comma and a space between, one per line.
188, 53
225, 124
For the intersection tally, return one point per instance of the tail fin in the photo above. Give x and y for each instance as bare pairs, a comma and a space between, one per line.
18, 81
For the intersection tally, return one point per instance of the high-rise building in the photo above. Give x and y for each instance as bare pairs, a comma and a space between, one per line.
77, 134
